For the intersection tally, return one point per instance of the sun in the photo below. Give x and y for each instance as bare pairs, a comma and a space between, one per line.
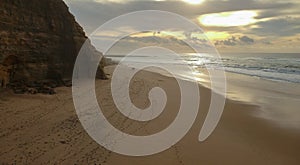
194, 2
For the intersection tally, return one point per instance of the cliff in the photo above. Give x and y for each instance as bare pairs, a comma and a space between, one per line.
44, 37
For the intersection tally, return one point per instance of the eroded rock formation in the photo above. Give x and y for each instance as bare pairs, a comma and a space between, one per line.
44, 37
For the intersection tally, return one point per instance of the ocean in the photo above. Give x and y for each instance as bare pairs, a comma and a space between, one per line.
271, 66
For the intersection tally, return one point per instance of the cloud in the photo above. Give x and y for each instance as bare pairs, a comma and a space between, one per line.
130, 43
267, 42
247, 40
274, 20
235, 41
228, 42
284, 26
92, 14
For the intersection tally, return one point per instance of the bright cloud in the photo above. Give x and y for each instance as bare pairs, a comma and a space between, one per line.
229, 19
194, 2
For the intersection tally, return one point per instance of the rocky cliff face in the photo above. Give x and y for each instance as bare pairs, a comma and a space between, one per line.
43, 35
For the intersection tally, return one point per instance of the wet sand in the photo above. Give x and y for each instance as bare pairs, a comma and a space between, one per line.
41, 129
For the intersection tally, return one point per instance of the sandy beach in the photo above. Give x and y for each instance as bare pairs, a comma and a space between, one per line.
40, 129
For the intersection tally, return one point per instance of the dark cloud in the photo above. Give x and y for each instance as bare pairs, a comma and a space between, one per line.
247, 40
287, 26
228, 42
235, 41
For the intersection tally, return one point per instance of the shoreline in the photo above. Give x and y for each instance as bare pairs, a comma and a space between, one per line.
270, 96
278, 101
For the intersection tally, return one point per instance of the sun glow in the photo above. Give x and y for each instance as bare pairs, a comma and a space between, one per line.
217, 35
228, 19
194, 2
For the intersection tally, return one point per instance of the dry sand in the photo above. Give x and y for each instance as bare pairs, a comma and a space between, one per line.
41, 129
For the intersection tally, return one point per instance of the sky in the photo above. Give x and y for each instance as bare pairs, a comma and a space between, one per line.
232, 26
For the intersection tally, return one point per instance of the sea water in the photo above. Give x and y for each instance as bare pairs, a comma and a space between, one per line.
271, 66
